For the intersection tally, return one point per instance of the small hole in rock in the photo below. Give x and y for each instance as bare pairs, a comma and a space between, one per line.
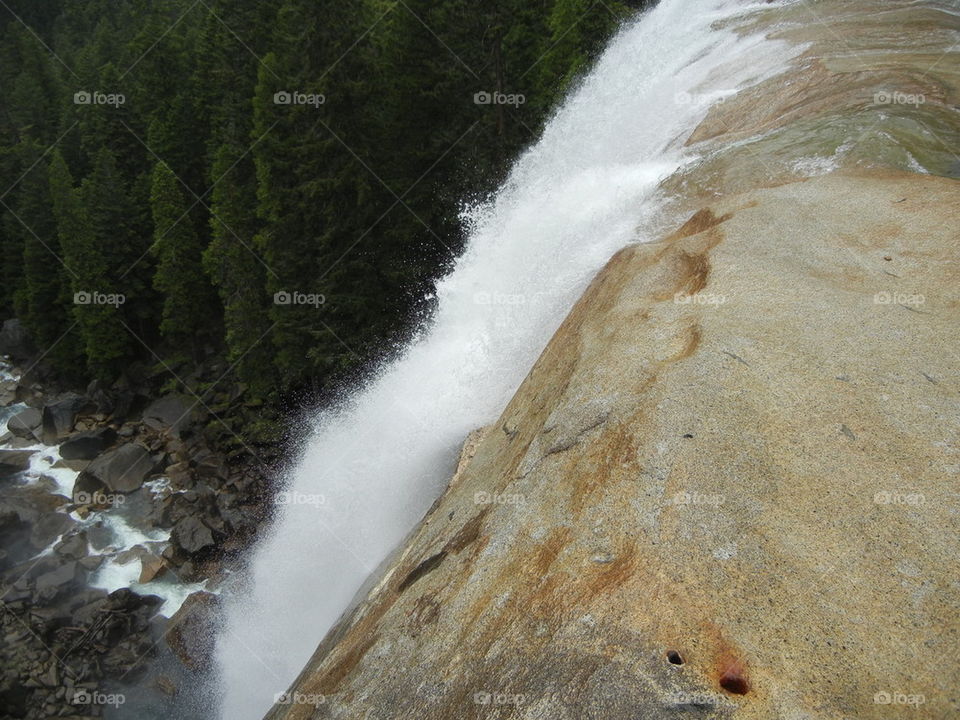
734, 682
674, 657
688, 435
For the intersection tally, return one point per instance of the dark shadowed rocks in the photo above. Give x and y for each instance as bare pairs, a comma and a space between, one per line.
191, 535
123, 469
14, 461
172, 412
88, 444
58, 418
26, 424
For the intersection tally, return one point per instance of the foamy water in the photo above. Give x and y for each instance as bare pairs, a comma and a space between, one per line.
123, 535
373, 466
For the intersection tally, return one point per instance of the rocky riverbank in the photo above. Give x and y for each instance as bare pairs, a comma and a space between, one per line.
121, 518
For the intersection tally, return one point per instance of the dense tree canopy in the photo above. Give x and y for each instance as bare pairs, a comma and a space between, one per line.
273, 183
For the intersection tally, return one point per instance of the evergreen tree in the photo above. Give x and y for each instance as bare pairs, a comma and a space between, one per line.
225, 76
355, 198
578, 29
179, 275
106, 256
41, 297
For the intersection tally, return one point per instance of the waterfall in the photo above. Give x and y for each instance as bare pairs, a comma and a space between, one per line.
373, 465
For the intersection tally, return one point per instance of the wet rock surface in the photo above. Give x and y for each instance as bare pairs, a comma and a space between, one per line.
123, 469
670, 520
26, 424
68, 649
87, 445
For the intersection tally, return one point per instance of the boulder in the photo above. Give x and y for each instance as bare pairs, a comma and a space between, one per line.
191, 631
30, 521
85, 486
58, 581
151, 566
48, 527
172, 412
74, 547
133, 554
123, 469
100, 397
14, 461
8, 392
29, 503
75, 465
26, 424
91, 562
726, 488
87, 445
28, 393
191, 535
59, 417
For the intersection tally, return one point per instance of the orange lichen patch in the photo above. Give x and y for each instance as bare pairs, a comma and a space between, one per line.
351, 648
696, 271
687, 266
604, 291
693, 337
345, 665
547, 553
349, 652
468, 534
425, 611
729, 665
701, 220
548, 601
614, 575
609, 458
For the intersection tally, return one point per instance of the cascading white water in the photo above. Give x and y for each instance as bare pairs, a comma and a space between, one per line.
373, 466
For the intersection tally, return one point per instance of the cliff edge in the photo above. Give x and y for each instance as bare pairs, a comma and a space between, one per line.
726, 488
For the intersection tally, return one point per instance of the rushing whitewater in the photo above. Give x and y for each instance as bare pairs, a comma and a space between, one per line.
373, 466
